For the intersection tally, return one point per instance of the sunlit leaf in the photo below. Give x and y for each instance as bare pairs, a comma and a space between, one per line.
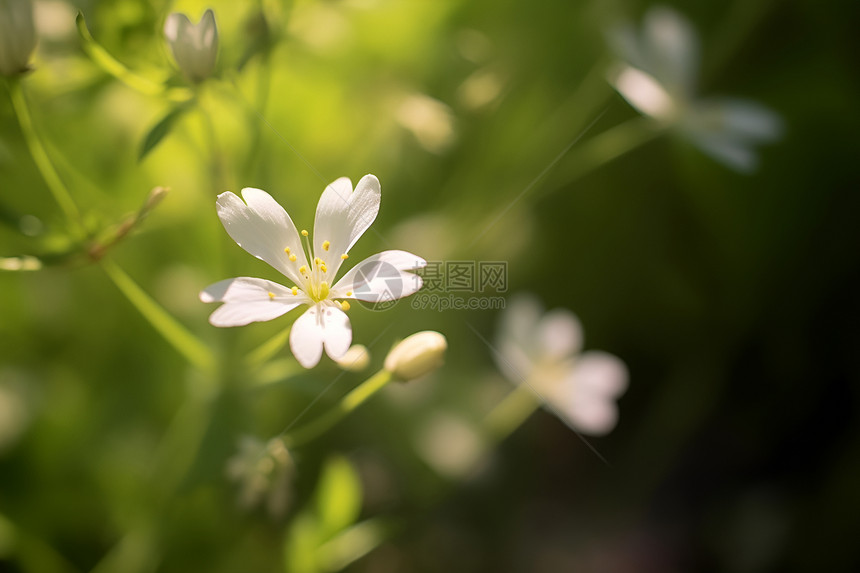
160, 130
338, 497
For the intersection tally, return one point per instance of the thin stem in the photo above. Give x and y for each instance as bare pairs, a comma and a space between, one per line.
606, 147
177, 335
40, 157
356, 397
510, 413
112, 66
268, 349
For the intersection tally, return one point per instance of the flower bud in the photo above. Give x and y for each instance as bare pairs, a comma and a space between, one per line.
356, 358
17, 36
416, 355
194, 46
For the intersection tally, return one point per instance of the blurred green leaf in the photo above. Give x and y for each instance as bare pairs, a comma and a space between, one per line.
338, 497
351, 545
300, 546
160, 130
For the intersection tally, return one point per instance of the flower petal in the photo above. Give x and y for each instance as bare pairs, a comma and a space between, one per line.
342, 216
249, 300
586, 398
672, 49
559, 334
264, 229
644, 93
516, 336
382, 277
321, 326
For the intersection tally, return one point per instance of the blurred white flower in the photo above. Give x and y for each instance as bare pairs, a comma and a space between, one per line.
544, 351
194, 46
450, 445
263, 228
17, 36
659, 78
263, 472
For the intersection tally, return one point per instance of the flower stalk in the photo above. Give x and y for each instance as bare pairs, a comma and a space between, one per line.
40, 157
355, 398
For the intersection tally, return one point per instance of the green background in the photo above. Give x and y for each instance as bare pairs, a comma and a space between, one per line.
731, 298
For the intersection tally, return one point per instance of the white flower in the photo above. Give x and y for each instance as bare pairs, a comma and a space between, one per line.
194, 46
263, 228
543, 351
659, 79
17, 36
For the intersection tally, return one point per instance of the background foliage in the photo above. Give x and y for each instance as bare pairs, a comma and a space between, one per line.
731, 298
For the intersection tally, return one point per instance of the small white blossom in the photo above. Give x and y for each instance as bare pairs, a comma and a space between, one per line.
194, 46
544, 351
17, 36
263, 228
659, 78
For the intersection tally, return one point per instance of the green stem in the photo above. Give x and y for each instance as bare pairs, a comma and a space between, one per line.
350, 402
268, 349
40, 157
510, 413
112, 66
606, 147
177, 335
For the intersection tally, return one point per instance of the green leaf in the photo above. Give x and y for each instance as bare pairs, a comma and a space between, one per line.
352, 544
160, 130
338, 497
300, 546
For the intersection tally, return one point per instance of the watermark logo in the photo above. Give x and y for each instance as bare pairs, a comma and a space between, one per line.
445, 285
378, 284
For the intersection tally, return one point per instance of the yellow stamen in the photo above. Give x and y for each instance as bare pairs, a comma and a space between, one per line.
326, 245
323, 269
295, 290
344, 305
303, 269
287, 250
271, 296
349, 293
293, 258
318, 261
304, 233
344, 256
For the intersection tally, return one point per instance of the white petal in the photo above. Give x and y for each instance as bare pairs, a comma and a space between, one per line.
342, 216
746, 119
645, 93
600, 374
247, 300
516, 335
264, 229
242, 313
382, 277
586, 398
559, 334
672, 49
320, 326
175, 26
730, 151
